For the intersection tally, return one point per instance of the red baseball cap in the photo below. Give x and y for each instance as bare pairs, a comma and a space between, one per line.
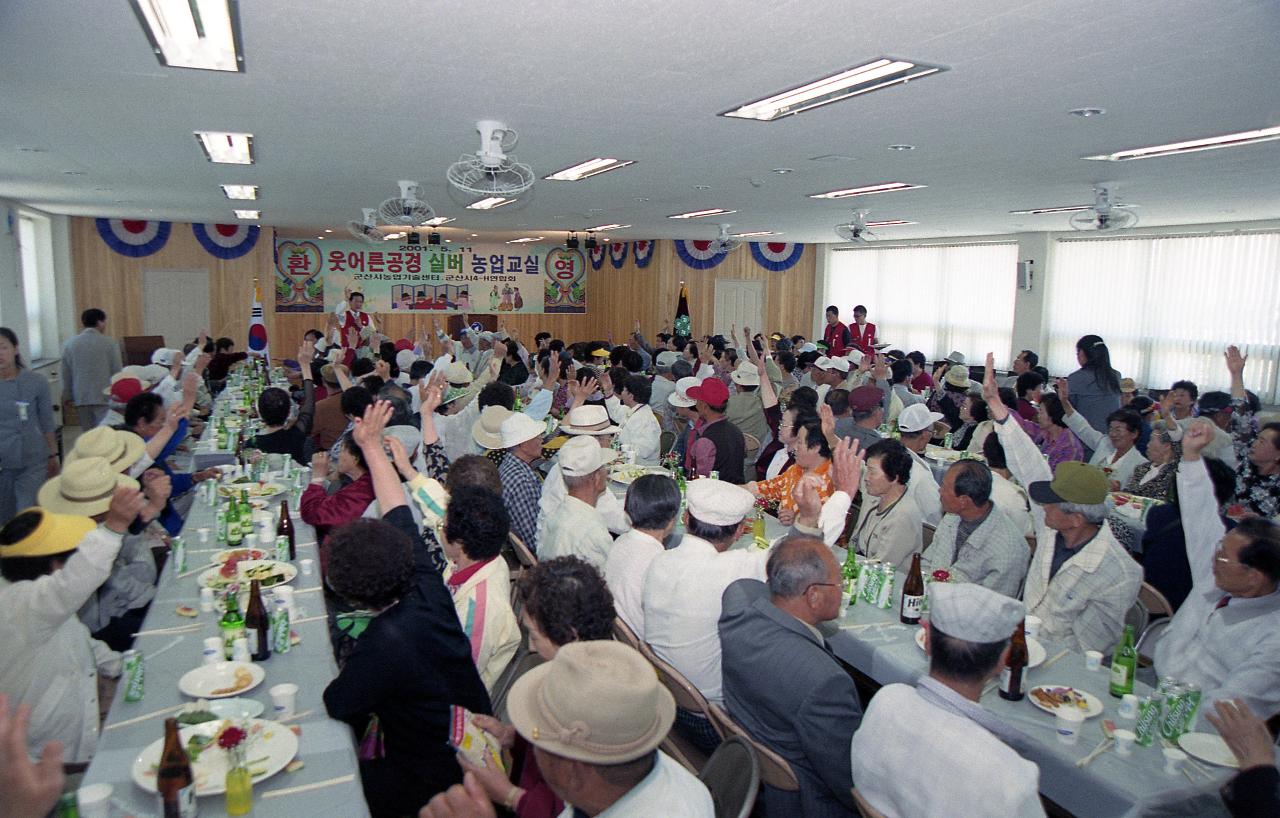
125, 388
403, 344
711, 390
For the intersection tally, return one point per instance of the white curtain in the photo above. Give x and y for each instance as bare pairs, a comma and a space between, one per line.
934, 298
1168, 307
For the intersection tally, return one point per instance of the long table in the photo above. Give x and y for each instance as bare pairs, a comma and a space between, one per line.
326, 746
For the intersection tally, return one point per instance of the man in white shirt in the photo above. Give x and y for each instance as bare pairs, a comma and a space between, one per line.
653, 503
629, 407
576, 528
683, 587
948, 755
593, 422
1226, 635
51, 563
915, 427
595, 715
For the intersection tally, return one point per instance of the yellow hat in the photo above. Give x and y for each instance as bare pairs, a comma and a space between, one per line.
85, 487
120, 448
54, 534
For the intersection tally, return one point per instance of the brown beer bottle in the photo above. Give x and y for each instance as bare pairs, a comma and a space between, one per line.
174, 781
1011, 686
257, 625
285, 529
912, 593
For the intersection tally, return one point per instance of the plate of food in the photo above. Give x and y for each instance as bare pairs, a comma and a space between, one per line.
266, 572
1035, 651
1051, 698
626, 475
254, 489
269, 747
198, 712
221, 680
1208, 747
238, 555
942, 453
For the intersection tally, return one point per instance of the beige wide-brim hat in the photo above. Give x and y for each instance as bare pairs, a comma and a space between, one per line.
746, 374
588, 420
958, 376
597, 701
85, 488
487, 430
119, 448
457, 374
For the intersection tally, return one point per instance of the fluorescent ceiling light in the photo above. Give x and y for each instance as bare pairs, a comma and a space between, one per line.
240, 191
753, 235
437, 221
526, 240
607, 227
1039, 210
490, 203
226, 148
248, 214
844, 193
193, 33
1209, 143
889, 223
587, 169
860, 79
698, 214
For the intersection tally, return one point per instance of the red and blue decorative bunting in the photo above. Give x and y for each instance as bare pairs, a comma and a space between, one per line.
642, 252
618, 254
776, 255
226, 241
699, 254
596, 255
133, 237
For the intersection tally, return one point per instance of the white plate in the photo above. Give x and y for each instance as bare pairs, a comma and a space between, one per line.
1208, 747
629, 474
213, 577
1035, 650
1093, 705
236, 708
272, 746
204, 680
225, 554
255, 489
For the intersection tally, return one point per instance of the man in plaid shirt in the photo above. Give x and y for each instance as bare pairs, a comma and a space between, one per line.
1081, 582
521, 485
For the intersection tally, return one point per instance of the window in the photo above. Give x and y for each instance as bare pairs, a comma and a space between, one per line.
934, 298
36, 254
1168, 307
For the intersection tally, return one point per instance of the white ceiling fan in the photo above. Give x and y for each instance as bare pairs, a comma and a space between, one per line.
490, 172
366, 230
856, 231
724, 243
406, 208
1104, 216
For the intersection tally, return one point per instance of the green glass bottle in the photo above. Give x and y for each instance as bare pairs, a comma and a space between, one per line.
232, 622
1124, 663
234, 534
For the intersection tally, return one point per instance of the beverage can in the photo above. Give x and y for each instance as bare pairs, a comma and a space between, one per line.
1147, 726
282, 548
1165, 684
946, 440
715, 475
1173, 717
134, 676
222, 525
885, 599
1192, 698
178, 554
280, 626
875, 578
864, 572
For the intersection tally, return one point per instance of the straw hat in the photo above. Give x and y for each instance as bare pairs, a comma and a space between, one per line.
597, 701
487, 430
84, 488
457, 374
746, 374
119, 448
958, 376
518, 428
588, 420
680, 397
54, 534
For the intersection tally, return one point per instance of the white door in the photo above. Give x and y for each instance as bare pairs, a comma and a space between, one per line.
175, 304
739, 303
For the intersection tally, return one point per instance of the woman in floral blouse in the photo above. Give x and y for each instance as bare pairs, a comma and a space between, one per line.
1257, 452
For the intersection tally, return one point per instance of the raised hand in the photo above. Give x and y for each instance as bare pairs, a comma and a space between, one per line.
606, 383
828, 419
399, 457
469, 799
1244, 733
382, 369
29, 789
368, 429
1196, 437
846, 466
431, 392
808, 502
1235, 361
991, 391
881, 369
126, 504
319, 465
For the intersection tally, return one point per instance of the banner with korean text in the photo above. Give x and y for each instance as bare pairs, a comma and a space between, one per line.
312, 276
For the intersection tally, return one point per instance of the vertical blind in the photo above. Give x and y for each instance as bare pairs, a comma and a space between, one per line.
1168, 307
934, 298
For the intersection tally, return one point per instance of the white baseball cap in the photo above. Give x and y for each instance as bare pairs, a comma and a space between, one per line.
917, 417
716, 502
581, 456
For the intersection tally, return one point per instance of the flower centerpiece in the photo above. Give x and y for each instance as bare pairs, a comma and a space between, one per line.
239, 781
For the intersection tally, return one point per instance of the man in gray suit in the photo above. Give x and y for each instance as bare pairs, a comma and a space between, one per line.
88, 362
812, 708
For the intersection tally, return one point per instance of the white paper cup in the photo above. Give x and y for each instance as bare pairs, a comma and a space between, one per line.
284, 699
94, 800
213, 650
1033, 627
203, 534
1124, 741
1128, 706
206, 600
306, 566
1173, 760
286, 593
1092, 659
1068, 724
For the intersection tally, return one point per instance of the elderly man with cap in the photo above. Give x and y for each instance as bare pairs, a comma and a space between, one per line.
866, 413
1217, 407
593, 423
813, 707
915, 429
684, 414
595, 715
932, 749
521, 438
576, 528
664, 385
1081, 582
828, 373
746, 409
683, 587
466, 349
52, 561
719, 445
976, 541
628, 406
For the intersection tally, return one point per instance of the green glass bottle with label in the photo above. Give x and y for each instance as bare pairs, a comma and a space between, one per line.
1124, 663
